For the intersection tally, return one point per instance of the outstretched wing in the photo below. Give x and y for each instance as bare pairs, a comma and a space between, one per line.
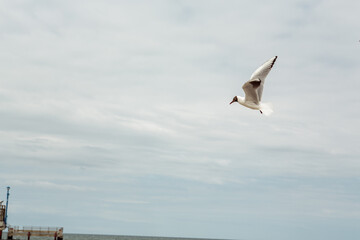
264, 69
251, 90
261, 73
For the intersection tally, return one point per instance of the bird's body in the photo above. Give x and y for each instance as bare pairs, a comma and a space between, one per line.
249, 104
254, 87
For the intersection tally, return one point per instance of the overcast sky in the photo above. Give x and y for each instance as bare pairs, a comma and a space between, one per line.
115, 118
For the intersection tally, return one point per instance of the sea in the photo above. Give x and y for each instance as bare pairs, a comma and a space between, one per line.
69, 236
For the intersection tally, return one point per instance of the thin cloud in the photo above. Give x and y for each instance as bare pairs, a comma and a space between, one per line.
127, 103
48, 185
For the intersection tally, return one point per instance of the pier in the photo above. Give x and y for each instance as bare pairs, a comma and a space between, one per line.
15, 231
56, 232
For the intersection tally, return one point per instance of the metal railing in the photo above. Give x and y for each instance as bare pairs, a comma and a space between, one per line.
34, 231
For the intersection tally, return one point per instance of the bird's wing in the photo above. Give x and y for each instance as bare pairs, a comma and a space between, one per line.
261, 74
251, 90
264, 69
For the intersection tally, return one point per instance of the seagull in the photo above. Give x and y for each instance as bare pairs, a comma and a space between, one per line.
254, 87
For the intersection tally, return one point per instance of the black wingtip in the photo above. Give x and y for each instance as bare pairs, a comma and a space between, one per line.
272, 64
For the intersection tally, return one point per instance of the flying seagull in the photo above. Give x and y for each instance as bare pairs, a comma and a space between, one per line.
254, 87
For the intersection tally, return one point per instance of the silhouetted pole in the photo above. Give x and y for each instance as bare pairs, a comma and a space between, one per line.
7, 205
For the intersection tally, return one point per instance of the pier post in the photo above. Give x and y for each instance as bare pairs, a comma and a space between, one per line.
29, 234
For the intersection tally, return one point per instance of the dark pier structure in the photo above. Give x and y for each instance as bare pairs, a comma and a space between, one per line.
14, 231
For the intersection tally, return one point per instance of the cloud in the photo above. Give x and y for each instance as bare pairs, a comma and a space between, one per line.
119, 99
48, 185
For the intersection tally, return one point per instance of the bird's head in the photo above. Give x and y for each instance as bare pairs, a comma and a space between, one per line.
235, 99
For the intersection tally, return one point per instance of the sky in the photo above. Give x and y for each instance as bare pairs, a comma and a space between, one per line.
115, 118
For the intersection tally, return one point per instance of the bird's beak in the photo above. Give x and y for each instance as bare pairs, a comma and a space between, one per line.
232, 101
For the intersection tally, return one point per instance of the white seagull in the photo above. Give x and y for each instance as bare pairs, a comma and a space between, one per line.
254, 87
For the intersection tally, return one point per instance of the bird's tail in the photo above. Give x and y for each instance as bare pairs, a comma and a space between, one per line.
266, 108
